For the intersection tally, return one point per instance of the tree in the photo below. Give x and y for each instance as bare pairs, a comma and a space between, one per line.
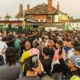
7, 16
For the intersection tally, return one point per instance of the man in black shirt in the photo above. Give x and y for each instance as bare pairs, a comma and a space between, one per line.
11, 39
46, 60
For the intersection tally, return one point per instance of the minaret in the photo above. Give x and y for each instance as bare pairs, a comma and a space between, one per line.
21, 8
58, 6
49, 6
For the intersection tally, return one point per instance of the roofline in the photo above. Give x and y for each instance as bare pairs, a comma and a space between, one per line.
41, 14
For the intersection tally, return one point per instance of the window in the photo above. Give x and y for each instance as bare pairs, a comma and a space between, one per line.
38, 20
49, 17
77, 24
42, 21
56, 18
31, 17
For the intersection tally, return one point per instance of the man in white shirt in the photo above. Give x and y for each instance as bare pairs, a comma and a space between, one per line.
3, 47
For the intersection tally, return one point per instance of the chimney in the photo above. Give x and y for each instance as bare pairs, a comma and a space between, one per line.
58, 6
49, 6
28, 7
21, 8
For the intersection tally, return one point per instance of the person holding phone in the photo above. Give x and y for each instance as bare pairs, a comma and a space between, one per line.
32, 68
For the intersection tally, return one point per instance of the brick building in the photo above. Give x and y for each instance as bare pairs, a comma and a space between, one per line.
43, 13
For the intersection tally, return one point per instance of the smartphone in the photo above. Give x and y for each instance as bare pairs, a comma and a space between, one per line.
35, 61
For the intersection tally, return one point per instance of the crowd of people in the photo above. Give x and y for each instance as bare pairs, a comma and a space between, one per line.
40, 55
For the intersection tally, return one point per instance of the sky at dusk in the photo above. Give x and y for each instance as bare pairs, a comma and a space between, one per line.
72, 7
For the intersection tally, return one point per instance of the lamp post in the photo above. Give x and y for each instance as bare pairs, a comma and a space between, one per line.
24, 18
23, 13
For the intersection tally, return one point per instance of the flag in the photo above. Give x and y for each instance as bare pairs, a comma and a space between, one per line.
66, 26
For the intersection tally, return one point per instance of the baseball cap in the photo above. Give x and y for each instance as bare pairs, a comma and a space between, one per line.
75, 60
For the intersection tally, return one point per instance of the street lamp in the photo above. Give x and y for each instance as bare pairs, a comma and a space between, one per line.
23, 13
